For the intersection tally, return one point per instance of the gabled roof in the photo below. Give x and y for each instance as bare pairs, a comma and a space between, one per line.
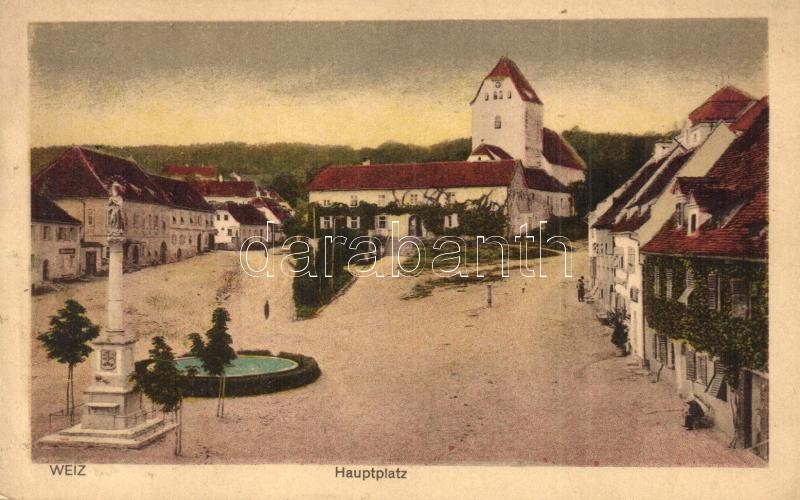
748, 118
639, 179
536, 178
44, 210
492, 151
725, 104
433, 175
743, 173
190, 170
273, 206
181, 194
557, 151
239, 189
506, 68
664, 178
245, 214
82, 172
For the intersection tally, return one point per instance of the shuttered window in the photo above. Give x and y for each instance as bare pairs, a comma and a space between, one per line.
740, 299
717, 386
668, 283
671, 355
656, 281
662, 348
713, 292
691, 368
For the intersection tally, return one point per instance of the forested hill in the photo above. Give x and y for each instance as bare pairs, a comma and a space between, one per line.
286, 167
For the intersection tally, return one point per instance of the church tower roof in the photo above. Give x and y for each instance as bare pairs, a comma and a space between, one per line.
506, 68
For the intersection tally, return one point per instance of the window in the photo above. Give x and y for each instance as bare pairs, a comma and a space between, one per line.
90, 217
380, 222
713, 292
634, 294
354, 222
230, 232
498, 123
692, 223
656, 281
382, 197
740, 299
671, 354
509, 94
668, 283
449, 197
45, 232
629, 254
679, 214
661, 354
486, 95
688, 287
174, 220
494, 95
225, 216
717, 386
353, 200
326, 222
326, 203
218, 217
414, 199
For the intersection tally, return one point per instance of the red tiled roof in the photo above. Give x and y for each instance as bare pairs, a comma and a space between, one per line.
240, 189
743, 172
606, 220
748, 118
414, 175
506, 68
632, 223
537, 178
496, 153
81, 172
181, 194
559, 152
725, 104
274, 206
189, 170
44, 210
245, 214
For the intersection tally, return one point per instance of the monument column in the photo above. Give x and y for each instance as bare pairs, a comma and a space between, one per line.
114, 416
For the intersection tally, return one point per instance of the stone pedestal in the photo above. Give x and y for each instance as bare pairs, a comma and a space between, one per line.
114, 415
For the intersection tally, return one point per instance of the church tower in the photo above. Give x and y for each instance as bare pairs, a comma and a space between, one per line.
507, 113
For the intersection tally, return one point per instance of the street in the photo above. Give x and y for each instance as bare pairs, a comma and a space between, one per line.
438, 379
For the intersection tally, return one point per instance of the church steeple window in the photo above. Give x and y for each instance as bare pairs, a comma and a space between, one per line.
498, 123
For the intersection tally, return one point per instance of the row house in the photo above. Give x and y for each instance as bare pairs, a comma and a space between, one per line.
706, 287
165, 219
236, 222
500, 184
621, 224
55, 242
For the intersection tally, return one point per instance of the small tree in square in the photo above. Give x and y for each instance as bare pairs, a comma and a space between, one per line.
158, 378
215, 353
67, 341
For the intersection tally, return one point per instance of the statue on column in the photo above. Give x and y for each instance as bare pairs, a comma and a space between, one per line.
115, 221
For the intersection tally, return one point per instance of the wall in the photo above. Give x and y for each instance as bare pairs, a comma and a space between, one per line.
63, 256
496, 194
520, 134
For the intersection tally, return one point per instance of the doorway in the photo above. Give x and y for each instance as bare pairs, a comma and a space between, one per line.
163, 252
415, 226
91, 263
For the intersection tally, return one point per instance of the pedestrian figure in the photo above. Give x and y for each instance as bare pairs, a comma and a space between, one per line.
581, 289
693, 414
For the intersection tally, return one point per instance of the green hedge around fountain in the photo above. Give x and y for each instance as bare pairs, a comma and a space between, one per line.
204, 386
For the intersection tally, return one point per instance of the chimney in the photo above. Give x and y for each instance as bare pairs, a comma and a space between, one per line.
365, 161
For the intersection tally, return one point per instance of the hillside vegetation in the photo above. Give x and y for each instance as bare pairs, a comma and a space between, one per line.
287, 167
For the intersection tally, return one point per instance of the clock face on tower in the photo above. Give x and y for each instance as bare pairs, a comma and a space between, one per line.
497, 84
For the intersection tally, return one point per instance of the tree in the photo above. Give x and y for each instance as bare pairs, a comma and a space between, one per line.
158, 378
67, 342
216, 352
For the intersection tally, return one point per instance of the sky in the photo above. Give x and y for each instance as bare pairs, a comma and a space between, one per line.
365, 83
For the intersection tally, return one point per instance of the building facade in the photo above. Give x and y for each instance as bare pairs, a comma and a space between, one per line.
236, 222
165, 219
55, 242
